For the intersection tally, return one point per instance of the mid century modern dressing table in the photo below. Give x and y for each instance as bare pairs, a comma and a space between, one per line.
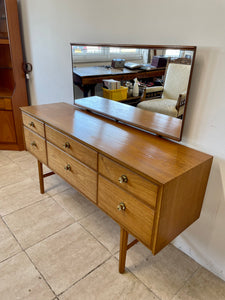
152, 187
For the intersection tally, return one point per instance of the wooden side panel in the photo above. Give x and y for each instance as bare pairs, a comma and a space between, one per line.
137, 218
7, 129
19, 96
181, 204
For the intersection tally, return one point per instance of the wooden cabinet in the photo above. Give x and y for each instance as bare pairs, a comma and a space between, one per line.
153, 188
12, 78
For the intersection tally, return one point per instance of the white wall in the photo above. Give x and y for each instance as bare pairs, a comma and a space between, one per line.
49, 27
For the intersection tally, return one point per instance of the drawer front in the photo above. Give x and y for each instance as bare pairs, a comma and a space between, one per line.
72, 147
35, 145
5, 104
136, 184
77, 174
33, 124
137, 218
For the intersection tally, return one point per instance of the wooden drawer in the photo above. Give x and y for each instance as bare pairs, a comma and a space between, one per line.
136, 184
5, 104
77, 174
33, 124
35, 145
72, 147
137, 218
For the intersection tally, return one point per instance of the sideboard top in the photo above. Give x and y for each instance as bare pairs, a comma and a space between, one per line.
144, 119
160, 160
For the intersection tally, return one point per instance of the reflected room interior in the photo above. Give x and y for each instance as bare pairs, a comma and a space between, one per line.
163, 74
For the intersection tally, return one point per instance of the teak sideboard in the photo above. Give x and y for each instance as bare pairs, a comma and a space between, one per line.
152, 187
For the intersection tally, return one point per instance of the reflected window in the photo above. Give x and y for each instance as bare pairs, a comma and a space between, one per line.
98, 53
173, 52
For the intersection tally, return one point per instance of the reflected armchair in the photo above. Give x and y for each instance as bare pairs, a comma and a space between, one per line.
172, 101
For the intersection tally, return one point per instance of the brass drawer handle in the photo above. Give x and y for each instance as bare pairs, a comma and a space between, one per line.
33, 144
121, 206
67, 167
123, 178
31, 124
66, 145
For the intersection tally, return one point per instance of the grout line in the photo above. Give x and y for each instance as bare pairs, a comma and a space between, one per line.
21, 208
12, 183
31, 260
78, 219
52, 195
148, 288
40, 273
186, 281
95, 238
21, 249
63, 206
102, 263
25, 249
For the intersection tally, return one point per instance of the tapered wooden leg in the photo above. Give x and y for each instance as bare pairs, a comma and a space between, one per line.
123, 249
41, 177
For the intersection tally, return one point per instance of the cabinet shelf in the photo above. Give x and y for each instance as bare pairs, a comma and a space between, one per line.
5, 67
4, 92
4, 41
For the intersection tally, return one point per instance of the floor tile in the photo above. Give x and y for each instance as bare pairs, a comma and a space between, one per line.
28, 163
19, 195
10, 174
76, 204
107, 283
55, 184
4, 160
20, 280
104, 229
36, 222
164, 273
67, 256
14, 155
8, 244
202, 286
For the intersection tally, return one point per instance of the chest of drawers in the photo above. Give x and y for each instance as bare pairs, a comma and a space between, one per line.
151, 187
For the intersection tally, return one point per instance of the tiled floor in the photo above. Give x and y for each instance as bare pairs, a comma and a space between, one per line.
60, 246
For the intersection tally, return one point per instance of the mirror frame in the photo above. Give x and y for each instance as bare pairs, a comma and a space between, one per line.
154, 47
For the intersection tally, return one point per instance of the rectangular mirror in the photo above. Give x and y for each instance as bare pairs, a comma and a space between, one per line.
163, 74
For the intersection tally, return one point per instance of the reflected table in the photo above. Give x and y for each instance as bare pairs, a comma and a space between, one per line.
86, 78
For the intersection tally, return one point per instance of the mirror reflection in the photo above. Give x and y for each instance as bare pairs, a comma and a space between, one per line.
153, 78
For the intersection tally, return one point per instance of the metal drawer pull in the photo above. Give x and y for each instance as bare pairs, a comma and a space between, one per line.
121, 206
31, 124
123, 178
33, 144
66, 145
67, 167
